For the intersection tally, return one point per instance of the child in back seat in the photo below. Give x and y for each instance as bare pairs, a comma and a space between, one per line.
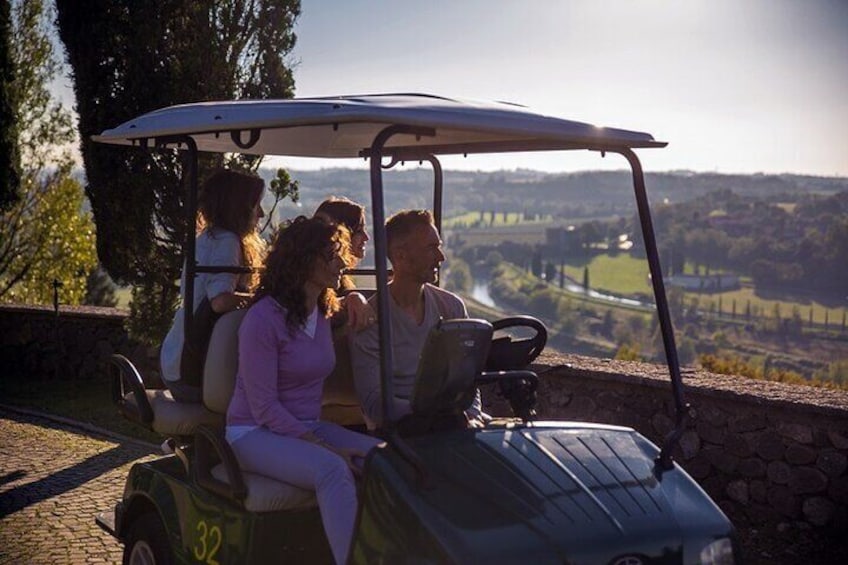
285, 353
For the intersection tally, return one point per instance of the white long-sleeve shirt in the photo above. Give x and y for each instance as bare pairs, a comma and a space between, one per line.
214, 247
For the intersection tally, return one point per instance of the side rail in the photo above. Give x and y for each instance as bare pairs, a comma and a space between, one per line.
128, 392
210, 448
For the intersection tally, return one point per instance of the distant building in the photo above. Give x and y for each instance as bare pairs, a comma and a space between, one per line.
562, 239
723, 281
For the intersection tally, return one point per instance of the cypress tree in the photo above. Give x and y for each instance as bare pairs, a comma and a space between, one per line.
131, 57
9, 154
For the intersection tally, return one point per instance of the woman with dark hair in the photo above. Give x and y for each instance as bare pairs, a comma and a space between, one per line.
229, 209
341, 210
357, 313
285, 353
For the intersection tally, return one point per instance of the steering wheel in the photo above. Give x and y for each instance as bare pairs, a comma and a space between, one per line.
506, 353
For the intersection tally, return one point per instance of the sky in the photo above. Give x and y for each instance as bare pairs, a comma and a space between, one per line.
734, 86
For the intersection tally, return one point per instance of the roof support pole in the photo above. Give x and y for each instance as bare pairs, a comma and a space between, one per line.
190, 178
378, 214
438, 183
664, 460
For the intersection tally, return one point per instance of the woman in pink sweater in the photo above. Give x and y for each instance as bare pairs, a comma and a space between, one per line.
285, 353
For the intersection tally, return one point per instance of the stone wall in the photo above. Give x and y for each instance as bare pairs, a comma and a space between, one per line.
767, 453
35, 343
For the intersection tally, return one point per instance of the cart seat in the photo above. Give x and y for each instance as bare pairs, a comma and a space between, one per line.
172, 418
159, 411
267, 495
219, 372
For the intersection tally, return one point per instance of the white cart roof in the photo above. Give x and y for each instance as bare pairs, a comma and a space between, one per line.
345, 126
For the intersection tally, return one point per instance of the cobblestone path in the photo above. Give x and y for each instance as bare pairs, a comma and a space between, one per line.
54, 478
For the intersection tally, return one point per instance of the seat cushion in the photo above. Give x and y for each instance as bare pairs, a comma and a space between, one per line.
172, 418
267, 495
219, 376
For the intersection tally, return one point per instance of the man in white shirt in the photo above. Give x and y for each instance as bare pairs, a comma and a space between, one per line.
415, 306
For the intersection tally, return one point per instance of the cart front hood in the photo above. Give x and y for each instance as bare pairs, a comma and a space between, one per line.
555, 493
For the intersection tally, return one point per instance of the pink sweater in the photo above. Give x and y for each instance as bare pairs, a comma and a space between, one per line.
280, 374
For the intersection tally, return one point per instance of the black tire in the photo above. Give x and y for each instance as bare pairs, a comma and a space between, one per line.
147, 542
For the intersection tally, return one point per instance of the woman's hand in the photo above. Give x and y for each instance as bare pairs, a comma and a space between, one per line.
353, 457
229, 301
360, 315
348, 454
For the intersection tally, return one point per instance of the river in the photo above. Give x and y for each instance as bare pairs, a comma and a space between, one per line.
480, 293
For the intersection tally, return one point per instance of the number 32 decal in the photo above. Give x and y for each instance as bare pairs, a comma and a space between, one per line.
208, 543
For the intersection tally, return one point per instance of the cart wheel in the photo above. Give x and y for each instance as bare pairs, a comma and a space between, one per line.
147, 542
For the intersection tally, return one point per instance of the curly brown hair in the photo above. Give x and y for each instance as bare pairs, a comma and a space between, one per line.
294, 249
226, 201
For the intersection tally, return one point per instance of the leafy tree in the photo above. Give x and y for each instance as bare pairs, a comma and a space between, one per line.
9, 156
100, 290
567, 318
707, 247
536, 264
608, 323
686, 353
544, 302
459, 276
589, 233
45, 235
628, 352
493, 259
836, 241
836, 372
130, 57
550, 271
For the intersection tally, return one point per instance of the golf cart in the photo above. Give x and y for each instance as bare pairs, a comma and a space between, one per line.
516, 491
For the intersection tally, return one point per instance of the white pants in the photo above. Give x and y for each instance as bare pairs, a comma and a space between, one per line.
312, 467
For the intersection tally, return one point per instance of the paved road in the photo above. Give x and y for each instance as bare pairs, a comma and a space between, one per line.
53, 479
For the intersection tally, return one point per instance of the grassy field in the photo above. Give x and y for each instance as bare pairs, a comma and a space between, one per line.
621, 274
765, 307
626, 275
517, 278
